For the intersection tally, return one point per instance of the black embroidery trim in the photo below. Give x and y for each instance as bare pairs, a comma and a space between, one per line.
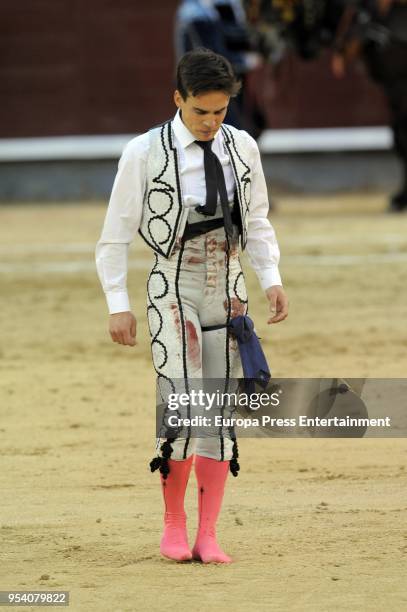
152, 306
160, 463
245, 180
157, 179
165, 281
161, 217
156, 189
240, 275
233, 464
184, 342
180, 206
227, 351
159, 247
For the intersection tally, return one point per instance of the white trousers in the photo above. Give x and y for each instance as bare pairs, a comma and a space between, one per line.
200, 285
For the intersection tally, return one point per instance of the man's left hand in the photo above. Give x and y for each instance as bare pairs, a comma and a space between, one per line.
278, 304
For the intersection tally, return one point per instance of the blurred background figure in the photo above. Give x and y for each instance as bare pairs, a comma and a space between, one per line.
376, 30
221, 25
305, 26
372, 30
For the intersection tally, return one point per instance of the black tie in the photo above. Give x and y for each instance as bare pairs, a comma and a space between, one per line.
215, 181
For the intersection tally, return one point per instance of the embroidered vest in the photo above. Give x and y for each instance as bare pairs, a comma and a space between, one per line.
163, 212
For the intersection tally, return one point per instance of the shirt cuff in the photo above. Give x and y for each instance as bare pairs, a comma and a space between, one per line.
117, 301
269, 277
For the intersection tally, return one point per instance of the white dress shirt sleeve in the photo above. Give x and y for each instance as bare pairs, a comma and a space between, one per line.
262, 247
121, 224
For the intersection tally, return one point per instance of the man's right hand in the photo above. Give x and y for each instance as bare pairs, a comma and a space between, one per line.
122, 328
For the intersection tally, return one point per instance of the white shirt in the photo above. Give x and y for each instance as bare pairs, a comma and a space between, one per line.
126, 204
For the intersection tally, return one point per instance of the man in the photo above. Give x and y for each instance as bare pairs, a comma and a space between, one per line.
192, 188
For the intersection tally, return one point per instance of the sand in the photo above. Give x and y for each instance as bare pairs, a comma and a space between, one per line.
312, 525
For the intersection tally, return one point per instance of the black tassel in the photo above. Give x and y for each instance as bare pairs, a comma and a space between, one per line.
233, 464
166, 448
234, 467
161, 463
164, 468
155, 464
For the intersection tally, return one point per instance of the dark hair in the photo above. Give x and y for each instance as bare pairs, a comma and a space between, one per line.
203, 70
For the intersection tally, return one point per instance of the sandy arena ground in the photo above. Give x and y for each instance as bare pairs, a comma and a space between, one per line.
313, 525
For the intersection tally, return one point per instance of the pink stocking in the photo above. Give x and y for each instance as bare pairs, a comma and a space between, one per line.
211, 476
174, 542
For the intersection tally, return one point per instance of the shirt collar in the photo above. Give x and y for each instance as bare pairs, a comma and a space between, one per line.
184, 136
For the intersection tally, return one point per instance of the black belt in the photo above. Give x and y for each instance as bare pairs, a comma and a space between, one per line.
202, 227
213, 327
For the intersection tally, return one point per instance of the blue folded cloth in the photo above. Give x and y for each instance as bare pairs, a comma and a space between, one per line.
254, 363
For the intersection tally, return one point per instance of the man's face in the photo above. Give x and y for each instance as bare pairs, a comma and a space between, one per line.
204, 113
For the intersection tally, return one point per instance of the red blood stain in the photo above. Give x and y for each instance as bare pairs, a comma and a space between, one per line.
193, 346
194, 349
194, 260
175, 314
212, 244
